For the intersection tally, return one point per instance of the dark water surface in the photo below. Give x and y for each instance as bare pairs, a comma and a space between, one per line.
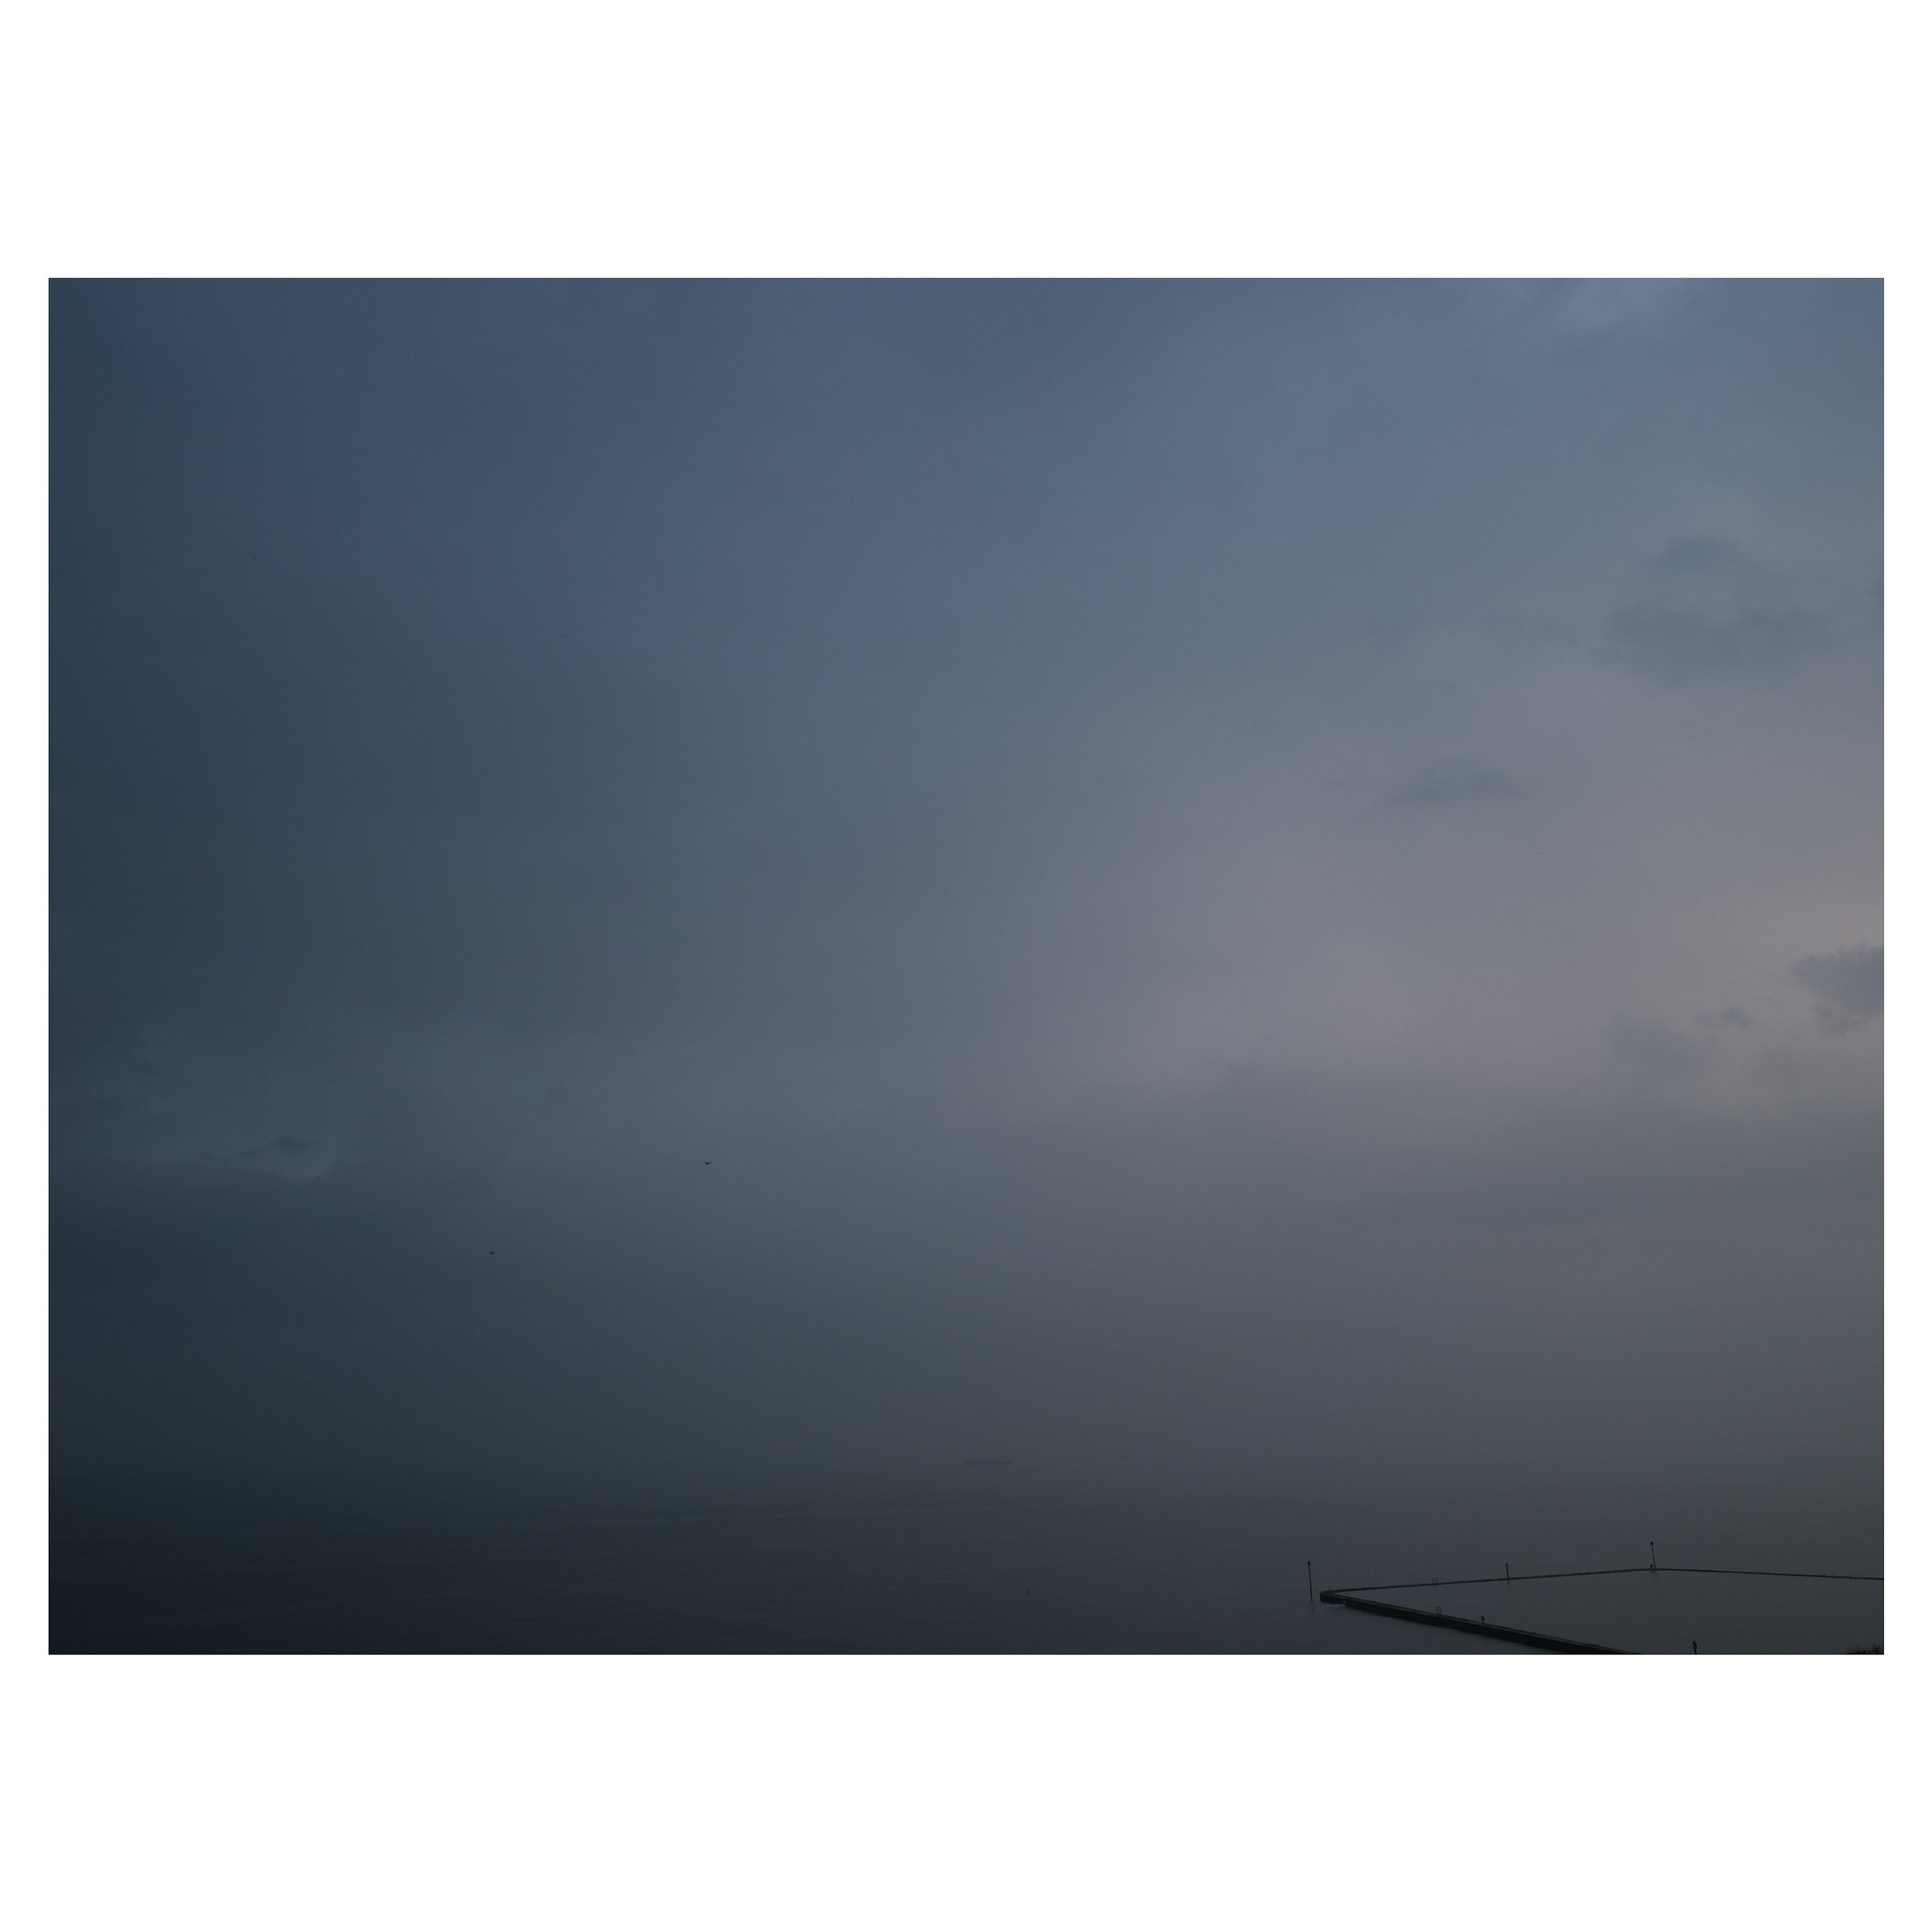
989, 1561
1671, 1610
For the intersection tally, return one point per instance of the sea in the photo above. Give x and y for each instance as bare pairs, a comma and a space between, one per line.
987, 1559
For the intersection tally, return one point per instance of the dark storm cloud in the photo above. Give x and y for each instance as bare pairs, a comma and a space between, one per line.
1849, 984
1174, 847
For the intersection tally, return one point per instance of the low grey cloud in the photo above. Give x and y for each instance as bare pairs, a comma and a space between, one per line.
1653, 1054
1725, 1016
289, 1154
1457, 781
1709, 609
1848, 985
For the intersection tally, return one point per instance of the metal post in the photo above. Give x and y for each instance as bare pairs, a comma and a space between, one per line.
1310, 1579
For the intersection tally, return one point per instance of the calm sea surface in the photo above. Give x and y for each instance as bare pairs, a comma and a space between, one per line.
990, 1562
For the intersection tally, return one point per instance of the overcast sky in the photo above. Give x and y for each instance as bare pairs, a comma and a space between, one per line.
686, 881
